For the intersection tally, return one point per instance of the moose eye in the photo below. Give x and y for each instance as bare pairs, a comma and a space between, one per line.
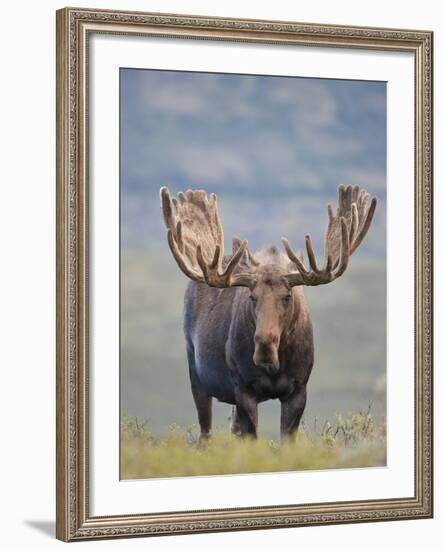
286, 299
253, 298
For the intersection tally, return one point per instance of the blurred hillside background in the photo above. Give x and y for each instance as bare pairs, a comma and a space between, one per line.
274, 150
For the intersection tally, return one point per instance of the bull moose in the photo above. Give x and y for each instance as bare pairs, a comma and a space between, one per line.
247, 326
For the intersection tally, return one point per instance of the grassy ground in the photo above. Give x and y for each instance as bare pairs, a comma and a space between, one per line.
351, 442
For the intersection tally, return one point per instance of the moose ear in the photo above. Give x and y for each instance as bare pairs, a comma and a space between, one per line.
247, 260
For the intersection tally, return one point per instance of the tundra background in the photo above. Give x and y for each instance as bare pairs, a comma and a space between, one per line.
274, 149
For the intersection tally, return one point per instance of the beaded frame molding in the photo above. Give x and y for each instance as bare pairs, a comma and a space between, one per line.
74, 521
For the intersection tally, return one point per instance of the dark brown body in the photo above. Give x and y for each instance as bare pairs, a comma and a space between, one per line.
244, 351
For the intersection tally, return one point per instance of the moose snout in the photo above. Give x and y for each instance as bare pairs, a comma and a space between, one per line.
270, 368
266, 352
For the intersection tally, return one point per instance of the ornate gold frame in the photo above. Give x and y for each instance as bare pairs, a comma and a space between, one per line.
73, 28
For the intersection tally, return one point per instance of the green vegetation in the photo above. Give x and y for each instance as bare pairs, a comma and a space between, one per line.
354, 441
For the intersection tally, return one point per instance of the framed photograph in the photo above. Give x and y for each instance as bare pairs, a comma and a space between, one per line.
244, 274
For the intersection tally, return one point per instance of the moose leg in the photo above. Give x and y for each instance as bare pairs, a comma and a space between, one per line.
291, 411
245, 417
235, 424
203, 405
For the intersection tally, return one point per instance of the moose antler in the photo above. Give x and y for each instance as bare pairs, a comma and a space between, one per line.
345, 232
196, 239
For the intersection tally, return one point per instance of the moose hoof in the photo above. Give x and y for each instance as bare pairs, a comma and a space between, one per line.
203, 438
